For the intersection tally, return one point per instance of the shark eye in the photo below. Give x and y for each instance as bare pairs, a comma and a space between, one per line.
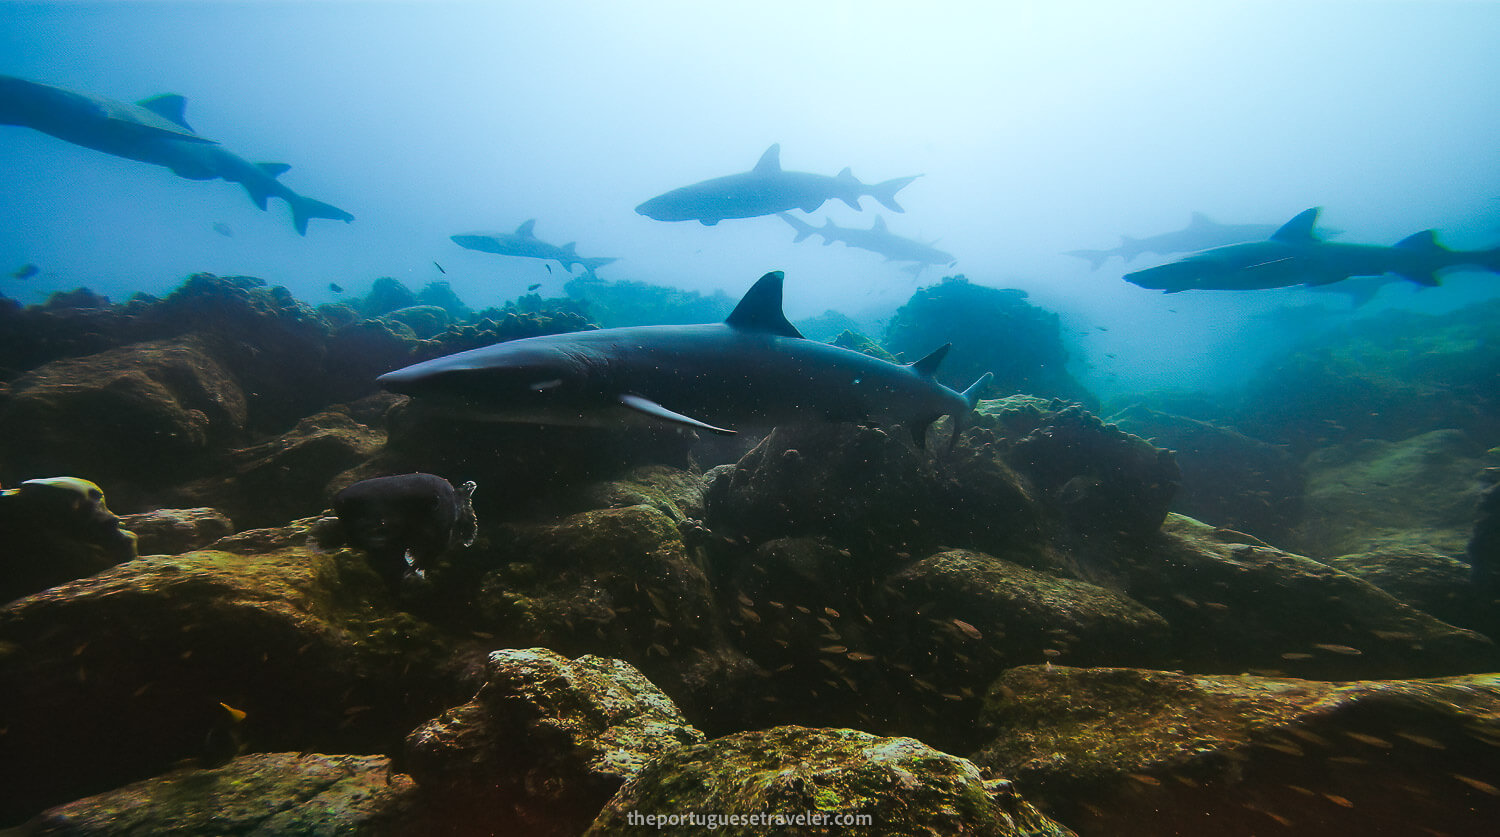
543, 386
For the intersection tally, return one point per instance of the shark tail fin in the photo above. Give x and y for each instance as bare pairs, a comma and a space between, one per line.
886, 192
304, 209
971, 397
1424, 243
590, 265
803, 228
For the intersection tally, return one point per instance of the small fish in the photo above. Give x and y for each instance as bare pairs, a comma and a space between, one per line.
831, 612
1423, 741
534, 285
1372, 740
1477, 784
335, 287
968, 630
1337, 649
25, 271
1144, 779
1296, 656
223, 229
440, 268
833, 649
549, 267
860, 656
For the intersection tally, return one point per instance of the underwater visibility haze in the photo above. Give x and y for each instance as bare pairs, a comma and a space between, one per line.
1108, 445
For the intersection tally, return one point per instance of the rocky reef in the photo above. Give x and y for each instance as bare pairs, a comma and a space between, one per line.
1015, 634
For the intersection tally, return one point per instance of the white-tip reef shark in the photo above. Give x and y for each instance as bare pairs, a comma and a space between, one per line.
766, 190
524, 243
753, 369
1295, 255
152, 131
876, 239
1201, 233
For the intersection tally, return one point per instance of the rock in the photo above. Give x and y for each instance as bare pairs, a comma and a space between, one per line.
54, 530
1425, 579
175, 531
259, 795
1132, 752
115, 678
288, 476
1483, 550
1238, 604
872, 785
386, 295
362, 350
1419, 492
1228, 478
424, 320
138, 419
545, 743
612, 582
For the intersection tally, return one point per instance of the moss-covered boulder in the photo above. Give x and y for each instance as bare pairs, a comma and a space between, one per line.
1235, 604
255, 796
796, 780
1373, 494
1423, 578
114, 678
1132, 752
545, 743
175, 531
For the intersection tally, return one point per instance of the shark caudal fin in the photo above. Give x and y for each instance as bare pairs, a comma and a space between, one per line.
590, 265
1425, 244
803, 228
304, 209
971, 397
886, 192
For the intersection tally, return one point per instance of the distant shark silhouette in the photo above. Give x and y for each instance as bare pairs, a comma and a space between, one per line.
1201, 233
1294, 255
876, 239
524, 243
150, 131
766, 190
754, 368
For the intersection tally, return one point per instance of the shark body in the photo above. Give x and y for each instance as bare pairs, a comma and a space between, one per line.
524, 243
1295, 255
766, 190
876, 239
151, 131
1201, 233
753, 369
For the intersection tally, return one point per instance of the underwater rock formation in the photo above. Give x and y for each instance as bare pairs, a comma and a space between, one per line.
544, 744
1235, 604
991, 330
1423, 578
616, 304
260, 794
175, 531
1373, 494
56, 529
895, 785
114, 678
1228, 478
1124, 752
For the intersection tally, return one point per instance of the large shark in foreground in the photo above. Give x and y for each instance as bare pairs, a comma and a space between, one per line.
766, 190
1201, 233
151, 131
1294, 255
876, 239
523, 242
753, 369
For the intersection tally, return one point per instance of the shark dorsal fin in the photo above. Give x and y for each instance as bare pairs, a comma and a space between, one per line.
1299, 230
168, 106
927, 366
524, 230
1422, 242
847, 175
571, 249
770, 162
274, 169
879, 224
760, 308
1198, 220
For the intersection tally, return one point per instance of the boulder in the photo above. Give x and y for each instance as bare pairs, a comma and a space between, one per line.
545, 743
1124, 752
1423, 578
798, 780
258, 795
175, 531
56, 529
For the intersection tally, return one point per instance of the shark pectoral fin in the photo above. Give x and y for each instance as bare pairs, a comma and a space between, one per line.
273, 170
660, 413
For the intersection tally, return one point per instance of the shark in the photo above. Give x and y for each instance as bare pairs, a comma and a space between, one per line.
524, 243
765, 190
154, 131
752, 369
1295, 255
1201, 233
876, 239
